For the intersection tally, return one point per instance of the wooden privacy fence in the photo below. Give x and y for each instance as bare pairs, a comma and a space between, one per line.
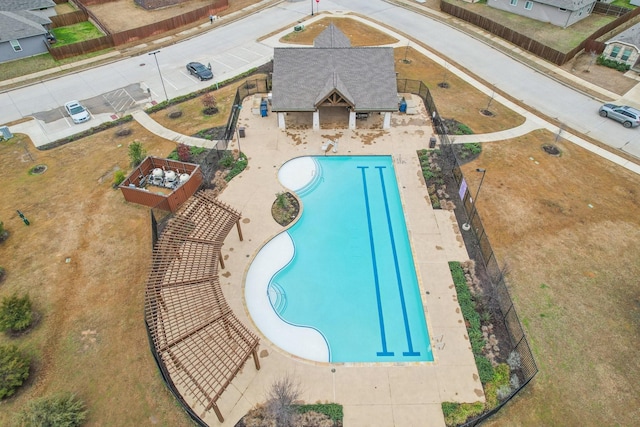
68, 18
111, 40
531, 45
169, 24
80, 48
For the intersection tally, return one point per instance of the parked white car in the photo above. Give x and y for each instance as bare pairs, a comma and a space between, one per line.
78, 113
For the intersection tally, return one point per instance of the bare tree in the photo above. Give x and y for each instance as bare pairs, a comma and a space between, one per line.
592, 59
282, 395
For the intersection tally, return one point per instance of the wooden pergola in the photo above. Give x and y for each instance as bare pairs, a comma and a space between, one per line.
198, 340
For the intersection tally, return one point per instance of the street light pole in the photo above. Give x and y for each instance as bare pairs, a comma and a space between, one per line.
311, 7
467, 225
159, 72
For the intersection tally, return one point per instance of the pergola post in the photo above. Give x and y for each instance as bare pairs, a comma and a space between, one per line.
217, 411
239, 230
256, 361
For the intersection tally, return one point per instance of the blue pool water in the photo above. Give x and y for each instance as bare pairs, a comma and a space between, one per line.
351, 276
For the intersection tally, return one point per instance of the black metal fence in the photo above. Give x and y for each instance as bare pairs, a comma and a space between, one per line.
249, 87
495, 288
478, 244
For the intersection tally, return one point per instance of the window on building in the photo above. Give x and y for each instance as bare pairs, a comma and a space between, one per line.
15, 44
513, 2
615, 51
528, 5
625, 54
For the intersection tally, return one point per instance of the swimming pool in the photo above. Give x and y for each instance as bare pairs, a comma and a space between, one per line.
340, 284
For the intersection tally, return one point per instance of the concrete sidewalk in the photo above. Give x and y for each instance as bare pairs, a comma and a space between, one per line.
154, 127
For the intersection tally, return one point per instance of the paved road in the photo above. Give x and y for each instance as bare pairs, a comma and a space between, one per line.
233, 48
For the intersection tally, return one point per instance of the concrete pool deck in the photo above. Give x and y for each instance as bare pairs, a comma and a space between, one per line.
392, 394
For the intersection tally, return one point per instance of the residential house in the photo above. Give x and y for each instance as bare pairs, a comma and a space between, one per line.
24, 25
562, 13
625, 48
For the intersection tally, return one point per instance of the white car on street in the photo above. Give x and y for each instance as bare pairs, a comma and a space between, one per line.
78, 113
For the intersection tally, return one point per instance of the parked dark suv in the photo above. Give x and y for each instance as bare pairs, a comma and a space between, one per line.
628, 116
199, 70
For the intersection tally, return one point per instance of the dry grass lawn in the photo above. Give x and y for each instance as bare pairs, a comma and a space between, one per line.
569, 230
193, 119
359, 34
83, 261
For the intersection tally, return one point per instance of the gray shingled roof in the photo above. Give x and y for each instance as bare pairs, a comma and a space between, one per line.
566, 4
629, 36
331, 37
364, 76
19, 25
15, 5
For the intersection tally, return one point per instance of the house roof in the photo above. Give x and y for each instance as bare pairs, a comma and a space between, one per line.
566, 4
331, 37
364, 76
15, 5
630, 36
22, 24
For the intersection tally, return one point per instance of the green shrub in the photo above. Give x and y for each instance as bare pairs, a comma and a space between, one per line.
63, 410
457, 413
485, 369
468, 308
620, 66
463, 129
15, 313
238, 167
281, 200
469, 149
331, 410
137, 153
227, 160
14, 370
197, 150
501, 376
491, 396
118, 177
173, 155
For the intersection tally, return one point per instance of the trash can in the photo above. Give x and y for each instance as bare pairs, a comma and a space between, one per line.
403, 106
432, 142
263, 108
241, 131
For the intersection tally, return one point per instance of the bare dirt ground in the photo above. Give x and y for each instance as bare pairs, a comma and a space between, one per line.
584, 66
123, 15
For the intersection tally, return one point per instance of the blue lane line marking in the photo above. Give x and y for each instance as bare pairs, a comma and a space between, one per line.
411, 352
384, 351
